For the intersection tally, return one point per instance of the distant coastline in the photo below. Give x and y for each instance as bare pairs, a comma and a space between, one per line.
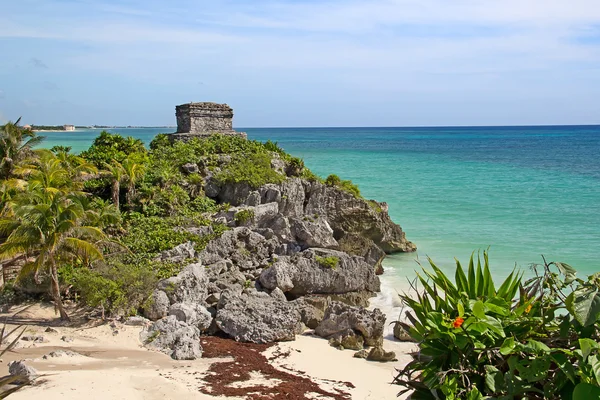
98, 127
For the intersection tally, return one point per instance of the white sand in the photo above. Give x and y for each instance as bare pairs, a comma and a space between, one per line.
116, 366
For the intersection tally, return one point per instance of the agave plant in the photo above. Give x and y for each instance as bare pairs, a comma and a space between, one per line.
537, 340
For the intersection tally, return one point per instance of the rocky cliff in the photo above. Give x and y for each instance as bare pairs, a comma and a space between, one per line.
298, 254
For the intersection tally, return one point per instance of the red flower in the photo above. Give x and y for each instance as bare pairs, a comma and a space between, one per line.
458, 322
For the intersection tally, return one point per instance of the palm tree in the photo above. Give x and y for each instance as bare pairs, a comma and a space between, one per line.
50, 227
134, 172
78, 167
117, 175
16, 144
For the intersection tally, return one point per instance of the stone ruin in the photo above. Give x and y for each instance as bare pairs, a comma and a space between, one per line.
198, 120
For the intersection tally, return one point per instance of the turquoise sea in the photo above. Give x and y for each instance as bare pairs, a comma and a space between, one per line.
522, 191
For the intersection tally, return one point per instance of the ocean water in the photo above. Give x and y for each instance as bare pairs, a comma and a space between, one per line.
523, 192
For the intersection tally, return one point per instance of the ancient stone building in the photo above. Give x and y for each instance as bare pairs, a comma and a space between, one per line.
204, 119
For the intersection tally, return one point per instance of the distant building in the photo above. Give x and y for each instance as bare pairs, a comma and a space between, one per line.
26, 126
69, 127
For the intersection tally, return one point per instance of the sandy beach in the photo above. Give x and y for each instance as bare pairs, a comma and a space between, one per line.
107, 361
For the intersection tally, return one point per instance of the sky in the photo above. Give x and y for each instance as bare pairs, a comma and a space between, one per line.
302, 62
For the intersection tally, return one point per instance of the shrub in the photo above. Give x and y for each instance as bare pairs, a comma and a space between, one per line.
243, 216
347, 186
253, 169
328, 262
478, 341
112, 146
120, 286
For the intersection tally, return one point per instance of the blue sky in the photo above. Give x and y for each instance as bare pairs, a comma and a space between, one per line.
302, 63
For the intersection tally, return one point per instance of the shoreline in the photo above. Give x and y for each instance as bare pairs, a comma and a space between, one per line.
110, 362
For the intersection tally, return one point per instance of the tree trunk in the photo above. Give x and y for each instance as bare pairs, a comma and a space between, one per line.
130, 194
56, 294
116, 189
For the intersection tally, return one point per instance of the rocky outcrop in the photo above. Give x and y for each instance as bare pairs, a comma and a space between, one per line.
344, 213
379, 354
189, 286
402, 332
297, 254
257, 317
343, 320
308, 272
24, 372
173, 337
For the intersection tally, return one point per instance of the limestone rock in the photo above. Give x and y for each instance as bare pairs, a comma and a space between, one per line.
51, 330
256, 318
137, 321
340, 317
34, 338
278, 294
401, 333
19, 368
313, 233
175, 338
67, 339
361, 354
189, 286
379, 354
192, 314
303, 274
61, 353
310, 314
190, 168
158, 306
347, 339
180, 253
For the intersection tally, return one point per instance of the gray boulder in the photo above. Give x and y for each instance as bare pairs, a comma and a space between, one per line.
257, 318
347, 339
190, 168
311, 313
180, 253
340, 317
61, 353
379, 354
278, 294
313, 232
19, 368
189, 286
157, 306
175, 338
34, 338
306, 273
192, 314
402, 333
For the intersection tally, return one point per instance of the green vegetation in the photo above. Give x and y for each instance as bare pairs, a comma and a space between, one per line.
375, 206
347, 186
328, 262
536, 339
96, 223
243, 216
48, 127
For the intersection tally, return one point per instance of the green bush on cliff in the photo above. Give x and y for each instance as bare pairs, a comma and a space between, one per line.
537, 339
253, 169
328, 262
243, 216
347, 186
